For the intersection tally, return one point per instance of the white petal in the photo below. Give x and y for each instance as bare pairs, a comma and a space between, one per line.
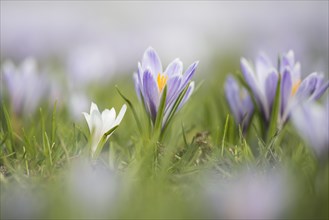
88, 119
120, 116
93, 107
97, 124
108, 118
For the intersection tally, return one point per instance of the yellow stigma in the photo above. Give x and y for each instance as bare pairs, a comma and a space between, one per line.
161, 80
295, 87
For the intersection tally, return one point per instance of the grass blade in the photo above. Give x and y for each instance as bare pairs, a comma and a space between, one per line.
224, 135
132, 109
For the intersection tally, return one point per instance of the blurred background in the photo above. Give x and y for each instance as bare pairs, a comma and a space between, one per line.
111, 36
78, 43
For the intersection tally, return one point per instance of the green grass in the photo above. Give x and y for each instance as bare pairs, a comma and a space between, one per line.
156, 179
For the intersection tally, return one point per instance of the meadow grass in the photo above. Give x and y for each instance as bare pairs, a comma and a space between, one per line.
163, 179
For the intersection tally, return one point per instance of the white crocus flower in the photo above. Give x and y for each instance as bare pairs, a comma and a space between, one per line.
102, 125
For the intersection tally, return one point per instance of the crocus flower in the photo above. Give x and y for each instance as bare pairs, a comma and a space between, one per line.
239, 101
262, 82
294, 89
26, 87
150, 81
312, 123
101, 123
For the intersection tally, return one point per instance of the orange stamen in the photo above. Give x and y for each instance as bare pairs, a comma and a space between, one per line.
295, 87
162, 81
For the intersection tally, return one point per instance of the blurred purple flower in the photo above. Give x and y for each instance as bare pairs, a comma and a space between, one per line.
252, 194
26, 87
239, 101
295, 90
150, 80
262, 82
23, 202
312, 122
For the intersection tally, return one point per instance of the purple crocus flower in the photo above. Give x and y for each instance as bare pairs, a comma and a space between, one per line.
150, 80
239, 101
295, 90
262, 81
312, 123
26, 87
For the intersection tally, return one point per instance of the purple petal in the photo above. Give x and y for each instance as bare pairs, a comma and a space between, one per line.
173, 90
249, 76
171, 105
248, 108
188, 94
262, 64
288, 60
151, 93
189, 73
151, 60
286, 86
319, 82
247, 102
319, 92
174, 68
270, 87
239, 102
232, 97
307, 86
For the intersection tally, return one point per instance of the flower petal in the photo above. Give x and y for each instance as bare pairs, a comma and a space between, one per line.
93, 107
151, 93
137, 85
173, 90
319, 92
232, 96
140, 72
96, 125
88, 119
108, 118
249, 76
307, 86
262, 64
296, 75
120, 115
270, 86
286, 86
174, 68
311, 121
187, 95
189, 73
287, 60
151, 60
